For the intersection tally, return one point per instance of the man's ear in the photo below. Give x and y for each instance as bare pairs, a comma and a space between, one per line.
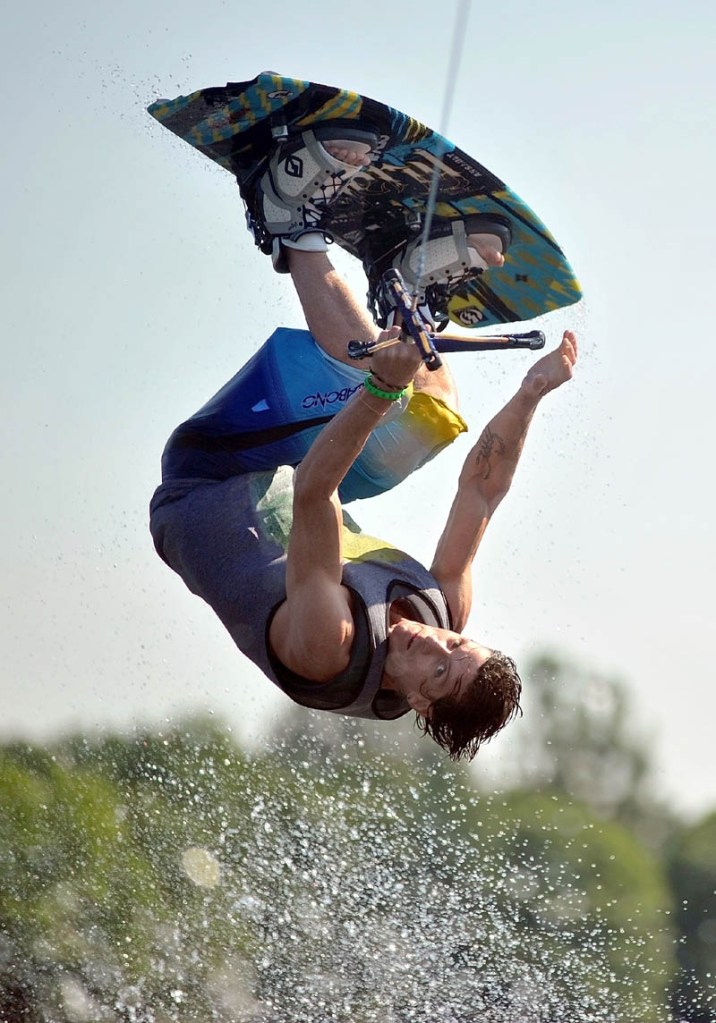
420, 704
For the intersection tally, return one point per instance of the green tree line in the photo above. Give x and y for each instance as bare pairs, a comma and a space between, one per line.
346, 873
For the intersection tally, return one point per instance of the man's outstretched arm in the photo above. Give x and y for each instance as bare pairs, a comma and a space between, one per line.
487, 476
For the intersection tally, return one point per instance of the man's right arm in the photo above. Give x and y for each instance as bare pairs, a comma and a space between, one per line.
487, 476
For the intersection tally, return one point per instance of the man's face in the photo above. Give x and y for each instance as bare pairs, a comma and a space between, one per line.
426, 663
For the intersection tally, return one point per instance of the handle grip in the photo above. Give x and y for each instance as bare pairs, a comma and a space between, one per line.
532, 340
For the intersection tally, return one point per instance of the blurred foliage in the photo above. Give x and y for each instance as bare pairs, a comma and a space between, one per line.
350, 873
581, 741
691, 859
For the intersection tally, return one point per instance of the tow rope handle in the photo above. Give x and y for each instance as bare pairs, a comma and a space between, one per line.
415, 329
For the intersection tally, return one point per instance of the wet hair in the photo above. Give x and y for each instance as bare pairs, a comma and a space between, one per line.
491, 700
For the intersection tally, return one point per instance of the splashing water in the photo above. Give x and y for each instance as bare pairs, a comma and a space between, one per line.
314, 883
381, 912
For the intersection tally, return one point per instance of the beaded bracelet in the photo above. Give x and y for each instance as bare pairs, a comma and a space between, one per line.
386, 383
388, 395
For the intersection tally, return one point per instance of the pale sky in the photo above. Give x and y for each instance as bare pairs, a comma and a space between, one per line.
131, 292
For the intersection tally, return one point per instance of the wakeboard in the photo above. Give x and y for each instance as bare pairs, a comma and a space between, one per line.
239, 125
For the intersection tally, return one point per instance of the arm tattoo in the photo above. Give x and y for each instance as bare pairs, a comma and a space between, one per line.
490, 444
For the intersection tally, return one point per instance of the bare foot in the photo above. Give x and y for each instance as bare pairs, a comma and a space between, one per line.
553, 369
488, 247
355, 154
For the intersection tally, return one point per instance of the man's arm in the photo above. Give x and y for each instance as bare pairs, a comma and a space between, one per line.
487, 476
312, 632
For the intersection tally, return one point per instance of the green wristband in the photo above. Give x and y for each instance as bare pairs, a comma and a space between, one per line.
388, 395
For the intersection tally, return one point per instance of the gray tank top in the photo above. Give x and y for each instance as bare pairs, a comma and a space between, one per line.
228, 541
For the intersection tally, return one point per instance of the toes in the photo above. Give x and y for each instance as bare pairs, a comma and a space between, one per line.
568, 351
356, 155
490, 256
489, 246
493, 257
569, 344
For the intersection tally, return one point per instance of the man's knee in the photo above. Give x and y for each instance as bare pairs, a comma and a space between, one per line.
439, 383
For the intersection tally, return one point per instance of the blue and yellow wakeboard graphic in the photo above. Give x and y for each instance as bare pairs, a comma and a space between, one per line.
237, 125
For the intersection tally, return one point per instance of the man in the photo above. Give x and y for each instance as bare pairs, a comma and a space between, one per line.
338, 620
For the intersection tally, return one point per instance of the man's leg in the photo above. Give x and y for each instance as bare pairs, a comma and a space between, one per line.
331, 312
334, 317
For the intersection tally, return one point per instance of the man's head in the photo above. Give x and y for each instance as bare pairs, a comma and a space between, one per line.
462, 692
